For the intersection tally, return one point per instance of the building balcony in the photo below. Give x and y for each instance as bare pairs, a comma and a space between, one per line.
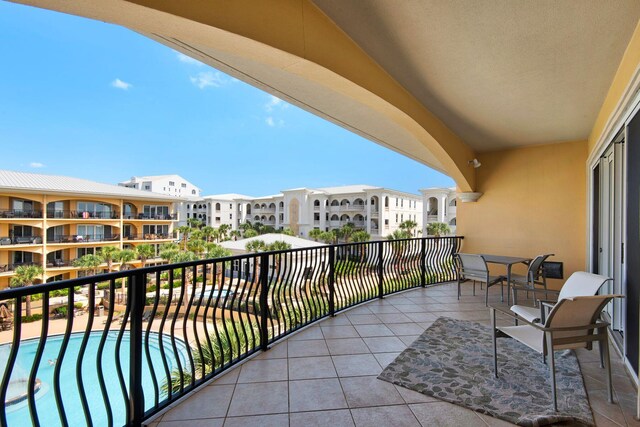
22, 240
432, 218
150, 236
21, 214
313, 364
69, 214
77, 238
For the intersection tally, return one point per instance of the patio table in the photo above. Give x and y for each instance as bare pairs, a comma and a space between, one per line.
507, 261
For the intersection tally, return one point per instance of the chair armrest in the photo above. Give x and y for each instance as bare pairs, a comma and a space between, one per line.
513, 316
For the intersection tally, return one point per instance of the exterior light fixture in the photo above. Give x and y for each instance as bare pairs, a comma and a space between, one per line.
475, 163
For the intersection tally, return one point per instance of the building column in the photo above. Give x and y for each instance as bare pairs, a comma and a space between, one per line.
368, 213
442, 208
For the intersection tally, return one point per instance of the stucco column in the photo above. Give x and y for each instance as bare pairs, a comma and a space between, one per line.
368, 214
442, 208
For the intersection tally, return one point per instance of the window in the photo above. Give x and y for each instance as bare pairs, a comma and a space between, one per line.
231, 206
396, 202
188, 215
86, 251
183, 185
154, 229
401, 217
193, 191
156, 211
94, 210
147, 187
172, 184
230, 216
96, 232
55, 233
396, 218
20, 257
217, 220
386, 222
401, 203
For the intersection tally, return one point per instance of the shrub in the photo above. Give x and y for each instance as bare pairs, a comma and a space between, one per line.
32, 318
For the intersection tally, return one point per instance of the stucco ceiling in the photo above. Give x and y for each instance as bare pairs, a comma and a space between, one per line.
499, 73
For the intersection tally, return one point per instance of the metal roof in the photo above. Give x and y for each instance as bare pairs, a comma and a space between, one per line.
32, 182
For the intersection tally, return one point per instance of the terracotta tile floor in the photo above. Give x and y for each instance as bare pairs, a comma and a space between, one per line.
326, 374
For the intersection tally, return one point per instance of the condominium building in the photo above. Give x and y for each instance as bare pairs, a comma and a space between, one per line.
52, 220
377, 210
171, 185
439, 206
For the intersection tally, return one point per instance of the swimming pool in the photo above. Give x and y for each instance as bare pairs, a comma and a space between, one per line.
18, 413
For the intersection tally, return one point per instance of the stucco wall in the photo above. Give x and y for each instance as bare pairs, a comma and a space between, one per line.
534, 202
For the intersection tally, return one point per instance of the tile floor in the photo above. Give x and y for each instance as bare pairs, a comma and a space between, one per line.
326, 374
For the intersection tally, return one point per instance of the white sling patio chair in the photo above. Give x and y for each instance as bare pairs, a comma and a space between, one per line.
474, 267
570, 324
579, 283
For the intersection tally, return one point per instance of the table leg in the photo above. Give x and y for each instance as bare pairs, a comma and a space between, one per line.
509, 286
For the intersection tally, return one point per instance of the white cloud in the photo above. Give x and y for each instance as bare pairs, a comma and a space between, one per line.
275, 102
36, 165
270, 121
188, 60
119, 84
206, 79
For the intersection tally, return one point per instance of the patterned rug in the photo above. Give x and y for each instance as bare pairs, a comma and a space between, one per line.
453, 361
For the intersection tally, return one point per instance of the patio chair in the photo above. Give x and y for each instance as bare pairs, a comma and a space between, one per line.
534, 276
473, 267
579, 283
570, 325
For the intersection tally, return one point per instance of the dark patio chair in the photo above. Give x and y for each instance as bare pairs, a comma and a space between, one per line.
474, 267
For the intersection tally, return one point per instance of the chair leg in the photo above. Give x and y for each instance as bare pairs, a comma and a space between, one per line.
492, 313
604, 350
486, 296
458, 288
474, 288
552, 370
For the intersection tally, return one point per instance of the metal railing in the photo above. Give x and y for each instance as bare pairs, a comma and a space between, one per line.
21, 240
65, 214
150, 236
183, 324
20, 213
78, 238
4, 268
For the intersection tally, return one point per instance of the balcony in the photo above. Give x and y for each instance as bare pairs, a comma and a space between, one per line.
77, 238
150, 236
21, 214
70, 214
22, 240
316, 367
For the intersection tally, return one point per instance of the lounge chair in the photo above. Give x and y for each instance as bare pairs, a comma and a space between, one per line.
474, 267
569, 325
579, 283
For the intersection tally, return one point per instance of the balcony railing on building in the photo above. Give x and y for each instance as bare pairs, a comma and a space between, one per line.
19, 213
21, 240
180, 325
71, 214
150, 236
79, 238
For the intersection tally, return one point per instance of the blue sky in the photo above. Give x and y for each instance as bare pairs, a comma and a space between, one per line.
74, 90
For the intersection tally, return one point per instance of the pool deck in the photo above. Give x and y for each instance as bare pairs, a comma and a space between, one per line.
325, 375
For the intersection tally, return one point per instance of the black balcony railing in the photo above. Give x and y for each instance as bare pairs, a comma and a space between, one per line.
20, 213
160, 217
149, 236
183, 324
78, 238
21, 240
4, 268
65, 214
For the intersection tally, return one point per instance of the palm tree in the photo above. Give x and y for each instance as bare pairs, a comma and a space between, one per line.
288, 232
110, 254
327, 237
224, 230
245, 226
359, 237
194, 223
250, 233
25, 275
207, 233
438, 228
347, 230
217, 251
255, 246
184, 231
89, 263
197, 246
145, 252
315, 234
278, 245
126, 256
409, 226
235, 234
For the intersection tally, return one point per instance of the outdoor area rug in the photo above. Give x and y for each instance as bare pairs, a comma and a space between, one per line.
453, 361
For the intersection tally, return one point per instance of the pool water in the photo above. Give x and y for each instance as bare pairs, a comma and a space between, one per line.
18, 414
